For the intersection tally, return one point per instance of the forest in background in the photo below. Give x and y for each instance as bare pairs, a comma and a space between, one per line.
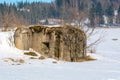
25, 13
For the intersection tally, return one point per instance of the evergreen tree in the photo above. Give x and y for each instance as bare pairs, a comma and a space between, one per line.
118, 16
59, 3
110, 13
99, 10
119, 10
99, 13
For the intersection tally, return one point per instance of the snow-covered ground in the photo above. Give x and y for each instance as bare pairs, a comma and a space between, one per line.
106, 67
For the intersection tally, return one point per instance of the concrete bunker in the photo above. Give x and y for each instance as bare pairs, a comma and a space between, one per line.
63, 43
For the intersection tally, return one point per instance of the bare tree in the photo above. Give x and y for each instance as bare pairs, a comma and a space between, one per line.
75, 40
11, 20
90, 32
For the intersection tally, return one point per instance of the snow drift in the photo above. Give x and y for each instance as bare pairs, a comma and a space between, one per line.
7, 47
106, 67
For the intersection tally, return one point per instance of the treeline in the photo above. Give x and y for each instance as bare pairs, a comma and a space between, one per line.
25, 13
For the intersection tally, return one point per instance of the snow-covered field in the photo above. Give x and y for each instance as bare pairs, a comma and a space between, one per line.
106, 67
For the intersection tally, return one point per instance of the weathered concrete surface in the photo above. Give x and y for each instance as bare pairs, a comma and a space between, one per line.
63, 43
23, 38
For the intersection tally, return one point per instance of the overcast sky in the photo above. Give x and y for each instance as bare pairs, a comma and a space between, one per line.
15, 1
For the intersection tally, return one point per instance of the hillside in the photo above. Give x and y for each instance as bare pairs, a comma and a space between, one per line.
106, 67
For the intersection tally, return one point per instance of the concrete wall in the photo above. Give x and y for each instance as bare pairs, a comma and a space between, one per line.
23, 38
